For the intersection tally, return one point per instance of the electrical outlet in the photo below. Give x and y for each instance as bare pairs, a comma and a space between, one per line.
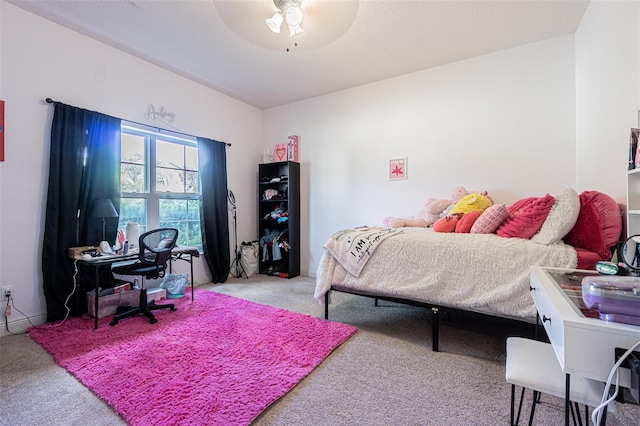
5, 290
633, 364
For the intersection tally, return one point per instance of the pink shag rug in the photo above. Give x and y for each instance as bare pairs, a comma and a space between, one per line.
217, 360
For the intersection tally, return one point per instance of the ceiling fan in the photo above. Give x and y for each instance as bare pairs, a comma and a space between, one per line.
290, 11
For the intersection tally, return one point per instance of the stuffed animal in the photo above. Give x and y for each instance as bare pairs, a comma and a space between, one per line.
396, 222
457, 194
424, 218
446, 224
471, 203
431, 211
433, 208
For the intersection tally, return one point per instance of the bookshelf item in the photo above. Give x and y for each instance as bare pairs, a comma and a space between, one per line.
633, 190
279, 218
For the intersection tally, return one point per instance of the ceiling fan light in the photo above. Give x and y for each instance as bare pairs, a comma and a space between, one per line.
295, 16
275, 22
295, 30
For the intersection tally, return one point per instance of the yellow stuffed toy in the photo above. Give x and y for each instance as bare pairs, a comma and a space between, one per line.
471, 203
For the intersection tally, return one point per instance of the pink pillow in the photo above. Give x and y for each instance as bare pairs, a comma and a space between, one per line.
466, 222
445, 224
599, 224
520, 204
562, 218
526, 217
490, 219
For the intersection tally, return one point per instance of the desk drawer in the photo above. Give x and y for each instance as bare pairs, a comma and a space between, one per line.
550, 318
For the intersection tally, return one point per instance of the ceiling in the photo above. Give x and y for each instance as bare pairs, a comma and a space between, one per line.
225, 44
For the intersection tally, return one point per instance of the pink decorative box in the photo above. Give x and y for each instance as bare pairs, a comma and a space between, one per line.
280, 152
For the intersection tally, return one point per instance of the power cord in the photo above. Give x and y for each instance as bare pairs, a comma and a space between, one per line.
7, 312
7, 309
66, 302
596, 415
10, 304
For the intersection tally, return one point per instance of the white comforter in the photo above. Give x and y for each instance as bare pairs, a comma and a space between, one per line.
475, 272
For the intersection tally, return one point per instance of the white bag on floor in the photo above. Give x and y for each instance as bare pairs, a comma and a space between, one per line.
175, 284
249, 257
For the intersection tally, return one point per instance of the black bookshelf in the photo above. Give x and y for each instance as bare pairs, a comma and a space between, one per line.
279, 218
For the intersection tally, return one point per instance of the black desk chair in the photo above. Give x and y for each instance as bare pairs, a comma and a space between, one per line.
155, 251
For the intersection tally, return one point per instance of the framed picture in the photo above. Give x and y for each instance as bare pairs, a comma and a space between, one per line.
398, 169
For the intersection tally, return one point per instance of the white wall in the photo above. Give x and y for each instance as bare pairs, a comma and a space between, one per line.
608, 93
520, 122
41, 59
503, 122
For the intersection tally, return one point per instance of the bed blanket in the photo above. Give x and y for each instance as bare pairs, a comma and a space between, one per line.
475, 272
352, 248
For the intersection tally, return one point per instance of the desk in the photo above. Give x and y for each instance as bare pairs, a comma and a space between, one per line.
583, 346
187, 254
101, 261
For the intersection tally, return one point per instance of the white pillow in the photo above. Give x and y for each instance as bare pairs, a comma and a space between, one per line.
561, 218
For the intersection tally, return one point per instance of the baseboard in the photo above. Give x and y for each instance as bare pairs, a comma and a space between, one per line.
21, 325
201, 280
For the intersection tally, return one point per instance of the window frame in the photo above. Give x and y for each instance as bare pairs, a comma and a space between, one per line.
150, 195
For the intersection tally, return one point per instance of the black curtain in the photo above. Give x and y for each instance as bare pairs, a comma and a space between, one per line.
84, 166
214, 214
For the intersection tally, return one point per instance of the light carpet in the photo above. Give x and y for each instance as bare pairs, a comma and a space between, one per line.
216, 360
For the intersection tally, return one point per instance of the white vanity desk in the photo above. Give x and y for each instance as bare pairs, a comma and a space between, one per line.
583, 346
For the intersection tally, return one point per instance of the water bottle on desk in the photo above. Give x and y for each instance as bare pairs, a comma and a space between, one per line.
125, 249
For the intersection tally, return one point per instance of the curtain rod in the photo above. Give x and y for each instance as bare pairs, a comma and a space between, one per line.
160, 129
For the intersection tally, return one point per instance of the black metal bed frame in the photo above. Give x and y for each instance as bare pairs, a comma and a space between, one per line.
435, 312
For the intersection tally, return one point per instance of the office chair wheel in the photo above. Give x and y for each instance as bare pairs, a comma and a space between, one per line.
153, 306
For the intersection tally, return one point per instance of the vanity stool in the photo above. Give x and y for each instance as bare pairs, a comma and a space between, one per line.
532, 364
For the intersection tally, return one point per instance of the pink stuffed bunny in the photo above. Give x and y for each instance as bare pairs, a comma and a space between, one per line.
431, 211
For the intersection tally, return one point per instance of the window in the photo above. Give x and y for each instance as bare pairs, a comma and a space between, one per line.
160, 183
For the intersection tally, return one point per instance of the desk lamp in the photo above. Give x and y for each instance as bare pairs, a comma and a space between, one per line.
104, 209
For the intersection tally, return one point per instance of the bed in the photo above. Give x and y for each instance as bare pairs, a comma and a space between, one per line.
482, 273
